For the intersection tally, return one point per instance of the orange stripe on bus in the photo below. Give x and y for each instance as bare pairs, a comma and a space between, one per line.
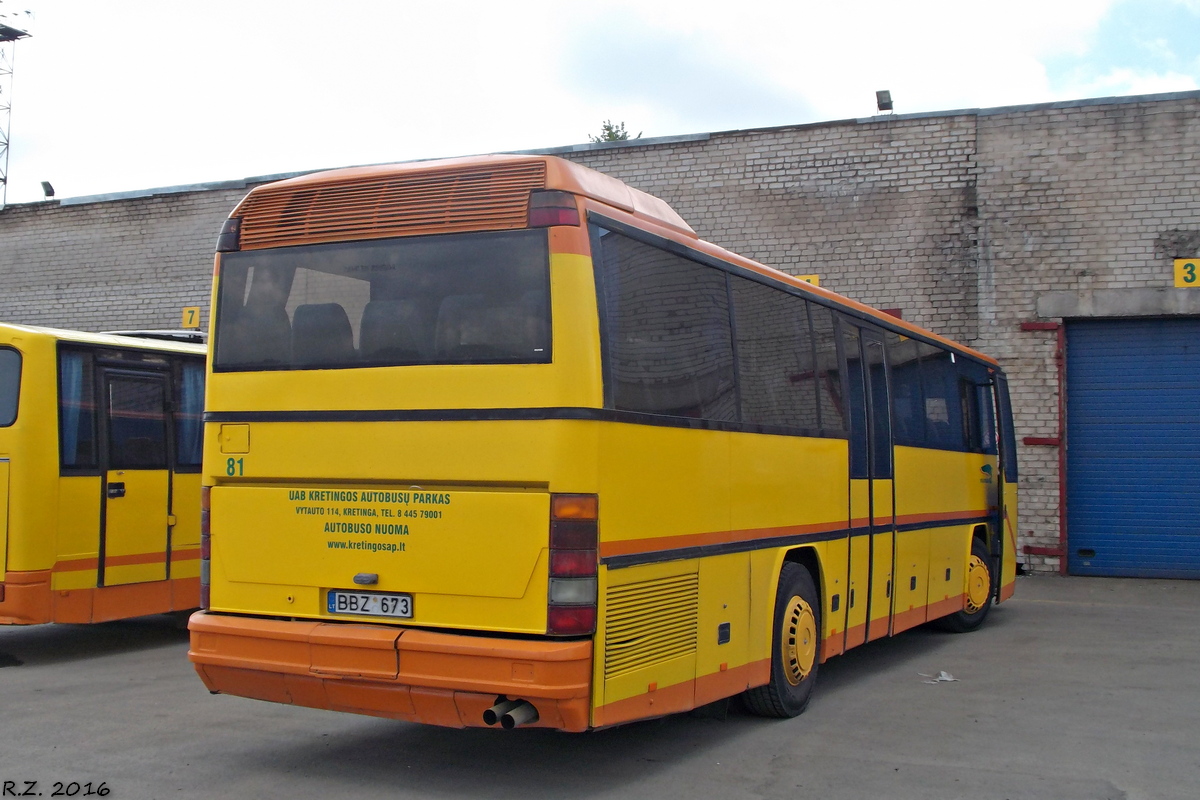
633, 546
76, 565
734, 680
684, 696
949, 605
135, 558
80, 564
637, 546
856, 635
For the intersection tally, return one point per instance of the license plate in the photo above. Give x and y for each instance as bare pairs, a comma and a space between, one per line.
372, 604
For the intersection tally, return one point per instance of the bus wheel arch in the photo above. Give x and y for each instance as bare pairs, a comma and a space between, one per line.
978, 596
795, 645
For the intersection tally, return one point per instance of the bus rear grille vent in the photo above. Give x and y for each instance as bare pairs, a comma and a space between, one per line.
648, 623
494, 197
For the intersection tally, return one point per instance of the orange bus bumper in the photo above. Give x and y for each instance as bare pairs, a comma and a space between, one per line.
386, 671
26, 598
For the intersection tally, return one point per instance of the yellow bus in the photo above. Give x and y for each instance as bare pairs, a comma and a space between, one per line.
100, 445
501, 440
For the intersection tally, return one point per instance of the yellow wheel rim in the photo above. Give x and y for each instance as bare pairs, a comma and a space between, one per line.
799, 640
979, 584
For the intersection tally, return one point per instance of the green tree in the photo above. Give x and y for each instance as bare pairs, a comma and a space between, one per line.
612, 133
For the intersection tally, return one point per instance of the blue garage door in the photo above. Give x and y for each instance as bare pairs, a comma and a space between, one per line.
1133, 448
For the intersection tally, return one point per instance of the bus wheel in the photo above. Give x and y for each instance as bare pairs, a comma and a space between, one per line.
979, 593
796, 647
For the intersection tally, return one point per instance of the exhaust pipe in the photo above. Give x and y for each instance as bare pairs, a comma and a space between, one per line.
523, 714
502, 707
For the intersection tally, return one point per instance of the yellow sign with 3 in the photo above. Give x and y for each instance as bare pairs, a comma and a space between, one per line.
1187, 272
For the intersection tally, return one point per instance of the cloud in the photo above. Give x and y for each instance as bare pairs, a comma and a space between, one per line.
826, 60
1139, 47
132, 94
684, 81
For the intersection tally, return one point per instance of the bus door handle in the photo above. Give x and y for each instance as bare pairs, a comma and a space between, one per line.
116, 489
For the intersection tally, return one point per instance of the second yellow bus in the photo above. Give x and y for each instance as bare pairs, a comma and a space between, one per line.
99, 475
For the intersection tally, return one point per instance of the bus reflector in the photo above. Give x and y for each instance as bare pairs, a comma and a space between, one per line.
574, 564
552, 208
205, 545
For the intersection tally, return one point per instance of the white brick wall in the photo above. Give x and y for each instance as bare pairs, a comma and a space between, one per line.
961, 220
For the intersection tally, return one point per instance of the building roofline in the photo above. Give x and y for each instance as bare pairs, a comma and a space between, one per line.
653, 141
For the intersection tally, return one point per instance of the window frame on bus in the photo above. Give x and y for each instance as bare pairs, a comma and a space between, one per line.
169, 365
238, 292
16, 389
180, 395
597, 220
88, 391
600, 221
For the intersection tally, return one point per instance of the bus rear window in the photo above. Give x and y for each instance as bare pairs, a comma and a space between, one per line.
10, 385
477, 298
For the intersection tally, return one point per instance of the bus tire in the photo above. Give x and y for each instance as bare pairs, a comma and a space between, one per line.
795, 647
979, 593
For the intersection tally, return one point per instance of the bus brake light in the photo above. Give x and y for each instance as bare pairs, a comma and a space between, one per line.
567, 620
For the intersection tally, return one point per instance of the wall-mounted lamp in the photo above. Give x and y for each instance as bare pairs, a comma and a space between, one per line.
883, 99
47, 189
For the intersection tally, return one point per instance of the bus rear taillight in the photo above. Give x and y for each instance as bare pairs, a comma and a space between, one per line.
552, 208
574, 564
205, 545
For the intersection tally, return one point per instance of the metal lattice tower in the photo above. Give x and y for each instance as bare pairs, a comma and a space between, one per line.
8, 49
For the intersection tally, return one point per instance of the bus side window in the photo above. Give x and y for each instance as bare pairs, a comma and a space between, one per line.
77, 410
10, 385
987, 418
943, 405
881, 418
189, 414
667, 324
776, 371
857, 382
1008, 441
979, 419
908, 416
830, 388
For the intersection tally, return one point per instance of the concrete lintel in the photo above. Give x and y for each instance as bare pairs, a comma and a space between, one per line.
1119, 303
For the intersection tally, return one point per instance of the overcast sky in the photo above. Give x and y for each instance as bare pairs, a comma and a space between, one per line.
132, 94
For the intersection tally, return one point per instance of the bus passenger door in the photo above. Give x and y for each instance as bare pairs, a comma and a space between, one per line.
883, 512
872, 518
137, 482
1005, 545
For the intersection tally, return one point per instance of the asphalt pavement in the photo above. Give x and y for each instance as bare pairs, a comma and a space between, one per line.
1076, 688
